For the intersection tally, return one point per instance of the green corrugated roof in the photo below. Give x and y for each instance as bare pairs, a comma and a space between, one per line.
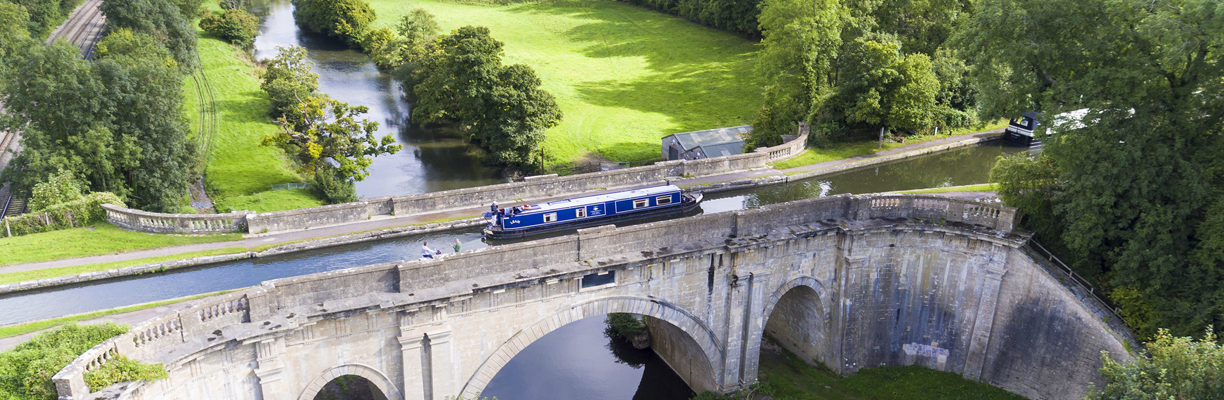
711, 137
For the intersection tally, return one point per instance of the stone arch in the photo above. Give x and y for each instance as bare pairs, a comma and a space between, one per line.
656, 308
379, 380
757, 330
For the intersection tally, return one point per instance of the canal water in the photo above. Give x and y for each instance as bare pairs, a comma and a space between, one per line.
575, 361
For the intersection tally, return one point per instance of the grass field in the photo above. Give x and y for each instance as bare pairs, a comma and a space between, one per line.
985, 187
791, 378
624, 76
844, 150
95, 240
240, 172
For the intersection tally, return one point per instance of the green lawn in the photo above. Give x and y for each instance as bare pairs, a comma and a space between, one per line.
14, 277
240, 172
985, 187
624, 76
844, 150
791, 378
95, 240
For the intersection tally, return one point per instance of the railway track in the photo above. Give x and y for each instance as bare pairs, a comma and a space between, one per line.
83, 28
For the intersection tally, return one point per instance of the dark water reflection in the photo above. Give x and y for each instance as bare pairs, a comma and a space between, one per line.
571, 363
433, 159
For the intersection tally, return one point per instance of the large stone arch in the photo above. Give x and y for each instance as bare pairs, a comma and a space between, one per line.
656, 308
379, 380
756, 334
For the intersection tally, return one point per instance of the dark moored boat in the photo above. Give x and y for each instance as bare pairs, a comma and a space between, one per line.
588, 211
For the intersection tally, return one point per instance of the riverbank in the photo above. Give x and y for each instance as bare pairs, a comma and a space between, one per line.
318, 237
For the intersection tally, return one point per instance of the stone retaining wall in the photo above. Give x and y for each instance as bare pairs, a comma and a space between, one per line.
534, 188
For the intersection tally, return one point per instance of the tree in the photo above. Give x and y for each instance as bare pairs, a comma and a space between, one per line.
116, 123
329, 135
1138, 179
1173, 368
347, 20
289, 80
160, 19
500, 108
234, 25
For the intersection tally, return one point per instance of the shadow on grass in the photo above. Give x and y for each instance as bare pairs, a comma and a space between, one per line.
696, 73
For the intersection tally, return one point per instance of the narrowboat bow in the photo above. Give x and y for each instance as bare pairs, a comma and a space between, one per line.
580, 212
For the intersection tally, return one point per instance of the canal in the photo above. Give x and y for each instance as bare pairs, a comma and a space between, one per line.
576, 361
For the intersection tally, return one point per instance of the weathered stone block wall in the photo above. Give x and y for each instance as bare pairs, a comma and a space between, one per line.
682, 354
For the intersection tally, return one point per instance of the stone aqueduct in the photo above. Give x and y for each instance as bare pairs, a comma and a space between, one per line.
851, 282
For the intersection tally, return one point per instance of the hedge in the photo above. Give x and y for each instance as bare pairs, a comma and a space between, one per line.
26, 370
62, 216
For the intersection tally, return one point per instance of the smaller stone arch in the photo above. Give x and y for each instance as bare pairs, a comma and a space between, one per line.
653, 307
379, 380
757, 329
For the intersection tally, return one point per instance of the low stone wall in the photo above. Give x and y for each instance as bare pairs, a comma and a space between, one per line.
533, 188
144, 221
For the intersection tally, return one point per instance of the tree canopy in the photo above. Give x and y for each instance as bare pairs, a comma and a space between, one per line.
500, 108
848, 67
1172, 368
1134, 187
115, 123
288, 79
160, 19
347, 20
327, 133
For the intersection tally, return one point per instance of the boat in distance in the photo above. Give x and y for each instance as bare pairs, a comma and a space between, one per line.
581, 212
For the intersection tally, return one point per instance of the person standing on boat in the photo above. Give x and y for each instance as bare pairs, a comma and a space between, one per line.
426, 251
493, 208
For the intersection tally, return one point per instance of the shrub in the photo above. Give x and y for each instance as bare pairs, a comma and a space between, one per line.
81, 212
26, 370
234, 25
59, 188
333, 189
123, 369
625, 325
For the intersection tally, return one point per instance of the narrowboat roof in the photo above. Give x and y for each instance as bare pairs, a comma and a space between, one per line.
600, 198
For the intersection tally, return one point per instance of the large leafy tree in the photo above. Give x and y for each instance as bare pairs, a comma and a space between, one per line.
500, 108
288, 79
13, 31
847, 66
328, 133
160, 19
1136, 183
346, 20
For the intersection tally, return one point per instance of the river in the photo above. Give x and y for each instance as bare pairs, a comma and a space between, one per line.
575, 361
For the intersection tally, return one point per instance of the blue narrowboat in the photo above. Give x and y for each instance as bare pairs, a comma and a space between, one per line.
579, 212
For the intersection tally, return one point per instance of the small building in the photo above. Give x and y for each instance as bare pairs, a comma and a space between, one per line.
702, 144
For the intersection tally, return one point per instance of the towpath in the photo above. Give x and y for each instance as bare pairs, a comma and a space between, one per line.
385, 222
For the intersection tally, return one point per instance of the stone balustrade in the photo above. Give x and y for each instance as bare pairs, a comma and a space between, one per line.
145, 221
533, 188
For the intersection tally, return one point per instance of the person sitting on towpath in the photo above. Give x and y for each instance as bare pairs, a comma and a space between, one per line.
426, 251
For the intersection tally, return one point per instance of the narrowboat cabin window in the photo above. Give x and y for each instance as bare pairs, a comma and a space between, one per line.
580, 213
663, 200
550, 217
640, 203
